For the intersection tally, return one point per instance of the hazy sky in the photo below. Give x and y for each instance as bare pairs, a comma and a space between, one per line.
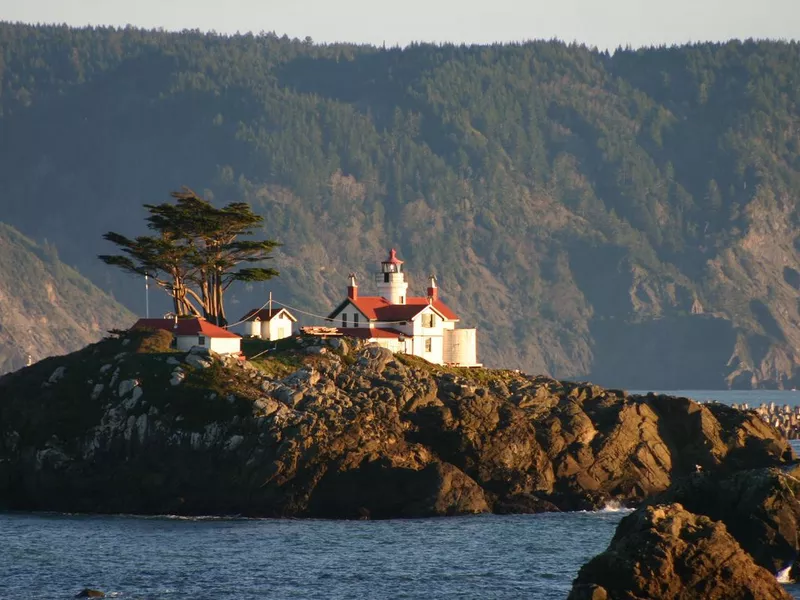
603, 23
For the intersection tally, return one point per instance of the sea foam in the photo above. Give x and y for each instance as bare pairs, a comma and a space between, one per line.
783, 575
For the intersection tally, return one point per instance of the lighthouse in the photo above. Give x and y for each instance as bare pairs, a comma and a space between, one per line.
391, 281
422, 326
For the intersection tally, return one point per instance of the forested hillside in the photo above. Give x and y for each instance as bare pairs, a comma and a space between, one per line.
629, 218
47, 308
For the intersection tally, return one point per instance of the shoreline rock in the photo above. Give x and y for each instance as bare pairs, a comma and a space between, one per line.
665, 552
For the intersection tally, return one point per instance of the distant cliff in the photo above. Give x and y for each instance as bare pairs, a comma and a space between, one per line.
342, 430
630, 218
46, 307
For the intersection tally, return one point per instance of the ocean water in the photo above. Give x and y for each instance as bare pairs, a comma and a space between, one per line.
54, 556
517, 556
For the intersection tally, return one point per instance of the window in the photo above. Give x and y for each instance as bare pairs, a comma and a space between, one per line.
355, 320
201, 340
428, 320
428, 345
402, 299
385, 278
344, 320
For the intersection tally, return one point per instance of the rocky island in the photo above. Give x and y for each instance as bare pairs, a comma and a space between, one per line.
336, 428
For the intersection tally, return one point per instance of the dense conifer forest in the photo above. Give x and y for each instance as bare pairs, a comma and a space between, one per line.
629, 217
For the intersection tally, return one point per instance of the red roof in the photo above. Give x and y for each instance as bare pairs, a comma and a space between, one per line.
393, 260
265, 314
366, 333
183, 327
379, 308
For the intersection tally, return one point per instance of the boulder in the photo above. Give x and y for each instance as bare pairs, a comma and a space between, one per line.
198, 360
90, 593
665, 552
381, 489
760, 508
57, 375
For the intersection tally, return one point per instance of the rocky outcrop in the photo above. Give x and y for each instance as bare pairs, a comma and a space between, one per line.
343, 430
665, 552
759, 507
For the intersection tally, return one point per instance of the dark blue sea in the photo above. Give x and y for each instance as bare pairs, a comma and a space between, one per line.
54, 556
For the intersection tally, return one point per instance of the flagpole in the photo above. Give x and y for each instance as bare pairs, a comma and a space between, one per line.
146, 297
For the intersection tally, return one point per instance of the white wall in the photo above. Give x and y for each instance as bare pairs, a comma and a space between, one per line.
218, 345
277, 328
435, 334
248, 328
252, 328
225, 345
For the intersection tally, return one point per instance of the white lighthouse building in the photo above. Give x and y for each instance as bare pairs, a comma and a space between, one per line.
423, 326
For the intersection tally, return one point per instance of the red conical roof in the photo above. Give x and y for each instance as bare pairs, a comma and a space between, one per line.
393, 260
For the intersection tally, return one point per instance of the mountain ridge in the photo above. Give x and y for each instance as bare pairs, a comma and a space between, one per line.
47, 307
627, 218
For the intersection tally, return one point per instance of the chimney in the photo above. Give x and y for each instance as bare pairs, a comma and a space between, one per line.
352, 288
433, 291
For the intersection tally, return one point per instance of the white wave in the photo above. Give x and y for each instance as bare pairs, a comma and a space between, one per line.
613, 506
783, 576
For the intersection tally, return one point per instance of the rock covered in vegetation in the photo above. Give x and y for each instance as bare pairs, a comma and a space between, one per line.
130, 426
665, 552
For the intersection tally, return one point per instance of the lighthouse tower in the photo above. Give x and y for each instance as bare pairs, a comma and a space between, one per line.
391, 281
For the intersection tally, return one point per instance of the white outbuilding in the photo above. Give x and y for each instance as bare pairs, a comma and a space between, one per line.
267, 324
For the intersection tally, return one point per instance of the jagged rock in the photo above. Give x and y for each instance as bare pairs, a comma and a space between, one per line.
126, 387
57, 375
383, 489
267, 405
351, 434
197, 361
302, 377
665, 552
374, 358
760, 508
178, 375
339, 344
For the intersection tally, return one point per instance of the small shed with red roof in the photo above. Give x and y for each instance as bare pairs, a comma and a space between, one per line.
193, 331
